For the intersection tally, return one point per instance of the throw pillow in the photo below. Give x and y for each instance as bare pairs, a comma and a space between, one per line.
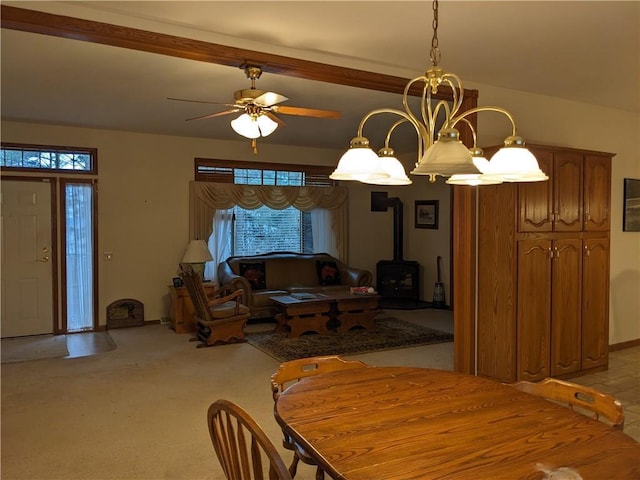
328, 273
255, 274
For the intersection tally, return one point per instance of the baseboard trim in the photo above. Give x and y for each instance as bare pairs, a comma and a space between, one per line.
623, 345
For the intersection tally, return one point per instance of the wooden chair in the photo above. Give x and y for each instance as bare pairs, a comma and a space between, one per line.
220, 318
583, 399
291, 372
242, 447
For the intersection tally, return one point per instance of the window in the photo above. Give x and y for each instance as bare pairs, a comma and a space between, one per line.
41, 157
240, 231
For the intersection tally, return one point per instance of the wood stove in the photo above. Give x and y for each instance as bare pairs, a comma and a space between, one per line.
398, 279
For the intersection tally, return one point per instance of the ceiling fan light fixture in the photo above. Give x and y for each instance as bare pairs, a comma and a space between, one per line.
359, 163
246, 126
266, 125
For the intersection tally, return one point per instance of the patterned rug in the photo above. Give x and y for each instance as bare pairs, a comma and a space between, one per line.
390, 333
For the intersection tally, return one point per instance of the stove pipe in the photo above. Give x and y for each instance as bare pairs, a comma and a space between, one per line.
380, 203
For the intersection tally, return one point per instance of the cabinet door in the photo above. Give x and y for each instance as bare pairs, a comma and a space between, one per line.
566, 320
597, 193
534, 309
567, 192
595, 303
535, 199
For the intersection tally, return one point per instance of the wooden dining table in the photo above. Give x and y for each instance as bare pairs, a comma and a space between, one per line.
391, 423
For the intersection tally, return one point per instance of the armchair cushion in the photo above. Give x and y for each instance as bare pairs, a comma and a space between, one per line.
228, 309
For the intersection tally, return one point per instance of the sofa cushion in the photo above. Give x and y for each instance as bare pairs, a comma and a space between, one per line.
255, 274
328, 273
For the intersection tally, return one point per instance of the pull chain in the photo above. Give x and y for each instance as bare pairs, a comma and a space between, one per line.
434, 53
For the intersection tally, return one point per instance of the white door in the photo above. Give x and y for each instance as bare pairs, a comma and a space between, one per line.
27, 282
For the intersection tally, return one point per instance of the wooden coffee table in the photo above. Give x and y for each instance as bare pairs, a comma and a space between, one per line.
326, 314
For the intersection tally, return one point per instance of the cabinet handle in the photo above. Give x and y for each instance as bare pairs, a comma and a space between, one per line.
550, 253
557, 252
586, 251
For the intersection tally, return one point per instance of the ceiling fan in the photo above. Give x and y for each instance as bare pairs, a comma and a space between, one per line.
258, 109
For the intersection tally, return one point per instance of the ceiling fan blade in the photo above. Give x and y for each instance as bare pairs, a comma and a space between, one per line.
211, 115
195, 101
269, 98
305, 112
279, 121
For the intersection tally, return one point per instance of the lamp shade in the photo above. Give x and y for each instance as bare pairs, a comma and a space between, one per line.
514, 164
359, 163
266, 125
392, 166
447, 156
197, 252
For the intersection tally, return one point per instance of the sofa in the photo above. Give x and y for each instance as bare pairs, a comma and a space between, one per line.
281, 273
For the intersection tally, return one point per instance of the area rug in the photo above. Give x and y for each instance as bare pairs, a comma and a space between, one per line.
37, 347
390, 333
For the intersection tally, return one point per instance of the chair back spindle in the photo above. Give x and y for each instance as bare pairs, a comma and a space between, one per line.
242, 447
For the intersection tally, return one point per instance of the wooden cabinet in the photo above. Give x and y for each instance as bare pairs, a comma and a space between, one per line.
543, 270
181, 310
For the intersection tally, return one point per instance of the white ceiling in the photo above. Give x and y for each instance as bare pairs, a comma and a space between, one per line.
587, 51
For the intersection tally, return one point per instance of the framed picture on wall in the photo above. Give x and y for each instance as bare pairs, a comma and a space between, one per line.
631, 215
427, 214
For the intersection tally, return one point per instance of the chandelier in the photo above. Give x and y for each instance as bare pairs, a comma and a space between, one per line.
442, 154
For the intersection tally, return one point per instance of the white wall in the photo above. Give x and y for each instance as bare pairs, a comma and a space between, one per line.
143, 198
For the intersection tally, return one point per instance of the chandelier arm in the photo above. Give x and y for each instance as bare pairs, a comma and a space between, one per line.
471, 111
421, 130
405, 100
473, 130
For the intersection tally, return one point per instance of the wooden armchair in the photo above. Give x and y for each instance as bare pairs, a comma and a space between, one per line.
583, 399
291, 372
220, 318
242, 447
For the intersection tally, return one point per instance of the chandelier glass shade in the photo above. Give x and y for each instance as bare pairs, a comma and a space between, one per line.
253, 125
440, 153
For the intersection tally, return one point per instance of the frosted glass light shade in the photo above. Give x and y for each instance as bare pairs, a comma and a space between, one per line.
474, 179
266, 125
359, 163
514, 164
246, 126
393, 167
446, 158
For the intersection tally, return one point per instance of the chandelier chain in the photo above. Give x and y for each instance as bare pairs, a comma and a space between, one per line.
434, 53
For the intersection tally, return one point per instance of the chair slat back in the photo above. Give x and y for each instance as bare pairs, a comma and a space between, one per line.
292, 371
193, 281
578, 397
242, 447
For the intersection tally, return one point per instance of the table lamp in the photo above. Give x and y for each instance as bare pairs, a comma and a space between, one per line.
197, 255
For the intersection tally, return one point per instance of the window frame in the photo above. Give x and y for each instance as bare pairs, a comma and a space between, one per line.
92, 152
222, 171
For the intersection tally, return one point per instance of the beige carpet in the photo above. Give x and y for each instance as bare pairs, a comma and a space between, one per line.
139, 411
37, 347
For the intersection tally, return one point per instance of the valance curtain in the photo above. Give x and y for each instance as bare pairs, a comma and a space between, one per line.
207, 197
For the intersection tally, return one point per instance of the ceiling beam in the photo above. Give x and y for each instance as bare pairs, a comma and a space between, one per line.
33, 21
